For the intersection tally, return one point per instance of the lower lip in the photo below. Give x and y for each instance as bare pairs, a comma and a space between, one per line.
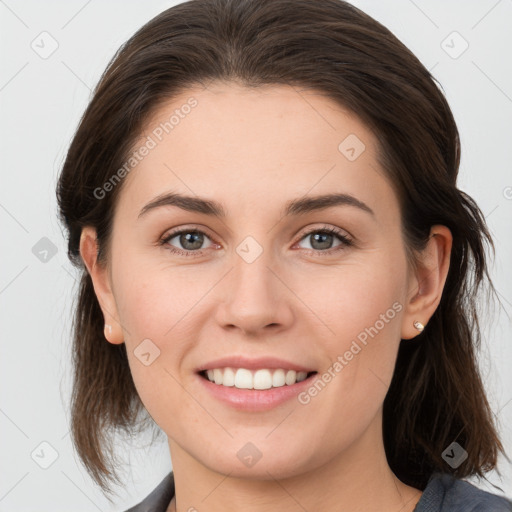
256, 399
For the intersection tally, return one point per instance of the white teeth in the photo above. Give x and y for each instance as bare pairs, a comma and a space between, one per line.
229, 377
278, 379
217, 376
260, 379
291, 377
243, 379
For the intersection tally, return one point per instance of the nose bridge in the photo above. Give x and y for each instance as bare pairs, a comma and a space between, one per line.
254, 297
252, 282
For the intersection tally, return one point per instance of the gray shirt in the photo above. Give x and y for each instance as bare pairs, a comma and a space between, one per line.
443, 493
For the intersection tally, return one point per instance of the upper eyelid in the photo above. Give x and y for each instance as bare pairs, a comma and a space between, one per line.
174, 232
338, 231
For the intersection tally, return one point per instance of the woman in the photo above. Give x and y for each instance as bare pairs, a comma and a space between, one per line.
278, 266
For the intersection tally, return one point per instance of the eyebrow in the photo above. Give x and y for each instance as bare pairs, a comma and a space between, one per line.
298, 206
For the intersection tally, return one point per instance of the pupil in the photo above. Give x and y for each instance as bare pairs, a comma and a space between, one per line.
186, 239
323, 245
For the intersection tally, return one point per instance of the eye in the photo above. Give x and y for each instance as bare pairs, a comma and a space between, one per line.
191, 240
321, 240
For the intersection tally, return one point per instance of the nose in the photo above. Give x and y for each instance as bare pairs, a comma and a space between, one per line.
255, 299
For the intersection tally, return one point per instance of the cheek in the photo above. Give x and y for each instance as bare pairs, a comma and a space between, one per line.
158, 307
355, 297
153, 298
153, 310
361, 309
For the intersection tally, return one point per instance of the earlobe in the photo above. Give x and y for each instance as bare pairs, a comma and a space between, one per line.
102, 287
427, 284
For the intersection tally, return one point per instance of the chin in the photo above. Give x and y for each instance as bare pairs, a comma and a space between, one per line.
258, 460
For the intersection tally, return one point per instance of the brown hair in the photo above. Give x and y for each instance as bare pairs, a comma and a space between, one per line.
436, 396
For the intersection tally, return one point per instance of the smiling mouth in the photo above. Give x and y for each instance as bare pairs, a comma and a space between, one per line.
261, 379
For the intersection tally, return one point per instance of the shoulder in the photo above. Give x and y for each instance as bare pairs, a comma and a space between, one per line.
158, 500
445, 493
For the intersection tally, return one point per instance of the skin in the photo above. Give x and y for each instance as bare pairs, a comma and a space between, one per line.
253, 150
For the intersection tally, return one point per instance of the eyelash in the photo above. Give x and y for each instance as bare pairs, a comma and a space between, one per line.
346, 241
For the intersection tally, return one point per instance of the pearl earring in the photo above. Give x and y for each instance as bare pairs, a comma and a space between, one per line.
418, 325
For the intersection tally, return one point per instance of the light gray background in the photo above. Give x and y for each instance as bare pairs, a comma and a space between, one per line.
41, 101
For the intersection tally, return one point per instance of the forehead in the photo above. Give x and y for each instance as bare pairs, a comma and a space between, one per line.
245, 146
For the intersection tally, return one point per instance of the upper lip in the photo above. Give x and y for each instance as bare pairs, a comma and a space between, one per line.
253, 364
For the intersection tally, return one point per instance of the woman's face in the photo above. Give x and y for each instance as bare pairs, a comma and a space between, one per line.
263, 287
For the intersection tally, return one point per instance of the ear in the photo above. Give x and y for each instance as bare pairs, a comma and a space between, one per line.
427, 281
102, 285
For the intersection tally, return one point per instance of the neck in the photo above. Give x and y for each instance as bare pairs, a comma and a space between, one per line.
359, 478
